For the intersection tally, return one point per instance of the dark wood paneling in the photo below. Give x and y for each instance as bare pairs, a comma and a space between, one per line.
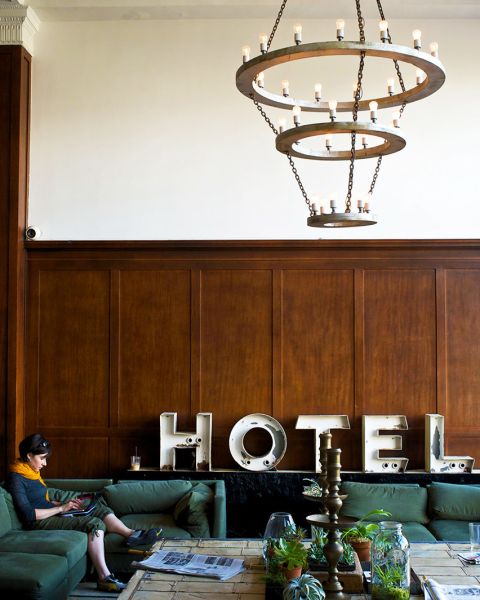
463, 348
283, 328
73, 349
81, 457
154, 346
15, 64
236, 343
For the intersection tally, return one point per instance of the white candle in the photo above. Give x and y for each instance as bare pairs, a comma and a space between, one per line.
315, 208
364, 141
322, 210
367, 207
417, 39
333, 203
318, 91
328, 142
390, 85
282, 123
373, 110
340, 29
360, 203
396, 118
419, 74
383, 25
285, 88
332, 105
297, 30
261, 79
296, 110
434, 49
246, 53
263, 43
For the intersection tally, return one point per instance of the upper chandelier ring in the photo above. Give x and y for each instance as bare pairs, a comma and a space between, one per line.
431, 66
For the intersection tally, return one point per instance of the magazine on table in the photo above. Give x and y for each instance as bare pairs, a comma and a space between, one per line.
471, 558
184, 563
439, 591
89, 505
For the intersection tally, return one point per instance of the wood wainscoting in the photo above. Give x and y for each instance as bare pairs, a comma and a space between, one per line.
118, 332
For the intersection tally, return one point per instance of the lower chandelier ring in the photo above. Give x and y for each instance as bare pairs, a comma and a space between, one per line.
289, 141
341, 220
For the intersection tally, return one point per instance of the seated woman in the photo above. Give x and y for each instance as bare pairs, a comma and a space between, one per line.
37, 511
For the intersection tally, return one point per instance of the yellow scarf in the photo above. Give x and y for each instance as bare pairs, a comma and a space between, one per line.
25, 470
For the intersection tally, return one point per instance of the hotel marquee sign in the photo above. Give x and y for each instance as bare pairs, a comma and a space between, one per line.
374, 440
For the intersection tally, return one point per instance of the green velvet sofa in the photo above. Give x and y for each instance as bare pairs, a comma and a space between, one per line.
438, 512
47, 565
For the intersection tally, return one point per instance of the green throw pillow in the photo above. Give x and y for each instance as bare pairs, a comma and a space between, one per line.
191, 511
5, 521
14, 520
455, 502
405, 502
144, 497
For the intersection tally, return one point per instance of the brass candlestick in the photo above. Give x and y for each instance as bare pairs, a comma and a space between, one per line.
333, 548
325, 444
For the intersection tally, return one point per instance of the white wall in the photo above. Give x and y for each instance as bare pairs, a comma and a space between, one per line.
138, 132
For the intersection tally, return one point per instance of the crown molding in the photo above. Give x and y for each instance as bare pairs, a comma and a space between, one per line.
18, 24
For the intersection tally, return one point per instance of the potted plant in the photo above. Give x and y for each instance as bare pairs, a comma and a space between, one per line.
390, 584
313, 488
291, 557
305, 587
360, 535
316, 555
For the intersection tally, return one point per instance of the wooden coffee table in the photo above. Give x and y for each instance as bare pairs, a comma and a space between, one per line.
435, 560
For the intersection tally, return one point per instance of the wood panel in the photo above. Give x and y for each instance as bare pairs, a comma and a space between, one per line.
15, 69
154, 346
235, 328
400, 350
80, 457
73, 349
463, 348
236, 343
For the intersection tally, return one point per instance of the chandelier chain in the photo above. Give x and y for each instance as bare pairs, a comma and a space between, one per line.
277, 23
351, 171
290, 159
375, 175
361, 21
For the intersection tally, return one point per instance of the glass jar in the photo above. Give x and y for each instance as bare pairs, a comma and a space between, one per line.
390, 563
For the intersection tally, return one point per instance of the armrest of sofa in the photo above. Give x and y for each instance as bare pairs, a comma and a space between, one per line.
219, 525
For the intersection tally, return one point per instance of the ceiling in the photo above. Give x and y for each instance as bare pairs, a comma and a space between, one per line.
86, 10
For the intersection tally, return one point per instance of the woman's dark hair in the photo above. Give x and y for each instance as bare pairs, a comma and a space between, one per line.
34, 444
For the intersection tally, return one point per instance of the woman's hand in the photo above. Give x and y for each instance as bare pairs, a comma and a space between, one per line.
74, 504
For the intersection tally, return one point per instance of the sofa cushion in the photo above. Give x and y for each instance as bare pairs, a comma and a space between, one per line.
145, 496
454, 502
416, 532
405, 502
72, 545
5, 521
449, 531
36, 576
79, 485
165, 521
191, 511
14, 520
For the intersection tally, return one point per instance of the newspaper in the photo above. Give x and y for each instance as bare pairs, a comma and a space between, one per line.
183, 563
437, 591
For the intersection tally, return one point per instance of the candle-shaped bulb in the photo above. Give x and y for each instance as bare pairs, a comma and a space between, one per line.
367, 207
263, 43
332, 105
383, 26
315, 208
417, 39
434, 49
322, 210
285, 88
246, 53
396, 118
328, 142
364, 141
419, 76
261, 79
340, 29
318, 91
373, 110
282, 124
333, 204
391, 85
360, 204
297, 31
296, 111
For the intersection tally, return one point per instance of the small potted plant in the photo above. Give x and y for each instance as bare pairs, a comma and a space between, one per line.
316, 555
305, 587
390, 584
360, 535
291, 556
313, 488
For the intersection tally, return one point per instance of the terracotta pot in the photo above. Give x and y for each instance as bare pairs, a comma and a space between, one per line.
292, 573
362, 549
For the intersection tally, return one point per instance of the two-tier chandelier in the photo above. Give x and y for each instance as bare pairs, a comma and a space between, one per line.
387, 139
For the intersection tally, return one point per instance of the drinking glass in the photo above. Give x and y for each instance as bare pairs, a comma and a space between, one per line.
474, 529
276, 526
135, 463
